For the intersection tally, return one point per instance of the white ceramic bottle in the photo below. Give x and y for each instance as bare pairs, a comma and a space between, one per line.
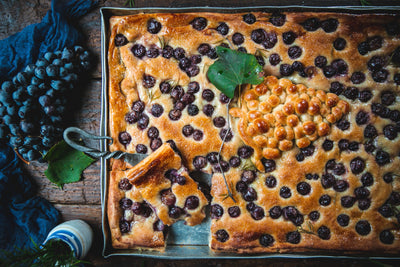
76, 233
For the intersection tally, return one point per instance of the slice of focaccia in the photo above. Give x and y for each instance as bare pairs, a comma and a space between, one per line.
132, 221
165, 184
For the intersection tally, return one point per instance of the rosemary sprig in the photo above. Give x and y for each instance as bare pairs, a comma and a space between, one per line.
377, 263
389, 60
226, 195
310, 226
53, 253
304, 231
230, 43
151, 94
219, 41
131, 3
174, 83
309, 231
248, 165
229, 192
162, 41
261, 52
264, 18
396, 210
365, 3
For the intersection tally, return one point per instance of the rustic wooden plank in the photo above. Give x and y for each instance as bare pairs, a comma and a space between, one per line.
86, 191
16, 15
87, 111
89, 213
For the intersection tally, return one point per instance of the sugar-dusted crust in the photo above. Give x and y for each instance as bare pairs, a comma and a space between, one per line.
245, 232
127, 71
345, 172
150, 178
126, 78
277, 115
141, 234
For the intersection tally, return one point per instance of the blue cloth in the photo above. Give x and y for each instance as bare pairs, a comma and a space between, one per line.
24, 216
53, 33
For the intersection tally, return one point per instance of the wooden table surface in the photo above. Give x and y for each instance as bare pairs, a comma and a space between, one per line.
81, 200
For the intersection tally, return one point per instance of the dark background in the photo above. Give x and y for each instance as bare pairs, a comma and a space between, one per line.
82, 200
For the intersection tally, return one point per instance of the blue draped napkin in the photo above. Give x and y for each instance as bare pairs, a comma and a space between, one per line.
53, 33
24, 216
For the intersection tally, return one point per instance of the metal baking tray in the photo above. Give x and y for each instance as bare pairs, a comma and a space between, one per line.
185, 242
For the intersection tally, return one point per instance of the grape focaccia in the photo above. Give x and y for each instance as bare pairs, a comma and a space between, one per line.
311, 155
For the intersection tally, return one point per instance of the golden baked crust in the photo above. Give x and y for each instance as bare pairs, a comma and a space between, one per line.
334, 188
247, 232
164, 182
142, 201
126, 87
277, 114
139, 230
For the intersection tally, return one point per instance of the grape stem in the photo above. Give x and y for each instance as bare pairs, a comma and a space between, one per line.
219, 154
19, 156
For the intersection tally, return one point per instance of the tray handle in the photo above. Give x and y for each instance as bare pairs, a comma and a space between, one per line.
95, 153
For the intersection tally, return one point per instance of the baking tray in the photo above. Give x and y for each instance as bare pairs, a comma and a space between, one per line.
191, 242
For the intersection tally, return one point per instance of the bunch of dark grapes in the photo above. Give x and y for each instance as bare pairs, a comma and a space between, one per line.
34, 104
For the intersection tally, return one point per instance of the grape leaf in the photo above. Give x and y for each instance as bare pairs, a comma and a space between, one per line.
65, 164
233, 68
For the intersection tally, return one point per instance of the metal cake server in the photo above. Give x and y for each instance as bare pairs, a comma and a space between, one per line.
130, 158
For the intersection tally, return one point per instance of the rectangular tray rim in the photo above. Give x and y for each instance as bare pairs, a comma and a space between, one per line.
104, 124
